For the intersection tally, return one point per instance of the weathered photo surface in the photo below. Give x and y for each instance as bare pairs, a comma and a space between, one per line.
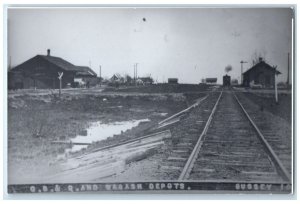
150, 100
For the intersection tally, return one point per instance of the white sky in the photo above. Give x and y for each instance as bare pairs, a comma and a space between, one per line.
188, 43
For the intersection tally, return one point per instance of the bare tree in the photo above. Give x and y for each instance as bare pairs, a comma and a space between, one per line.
128, 79
257, 55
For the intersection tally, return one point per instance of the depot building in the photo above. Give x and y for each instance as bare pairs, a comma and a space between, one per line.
42, 72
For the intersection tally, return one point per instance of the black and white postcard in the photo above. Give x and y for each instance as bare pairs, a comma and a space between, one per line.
150, 99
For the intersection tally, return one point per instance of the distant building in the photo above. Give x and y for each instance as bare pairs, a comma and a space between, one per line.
138, 81
116, 78
146, 80
211, 80
86, 77
234, 82
226, 80
42, 71
128, 80
173, 80
260, 74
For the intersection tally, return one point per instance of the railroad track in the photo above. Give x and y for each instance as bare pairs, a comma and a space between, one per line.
279, 140
185, 135
231, 147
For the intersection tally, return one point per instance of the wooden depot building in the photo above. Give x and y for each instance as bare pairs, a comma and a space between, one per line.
42, 71
260, 74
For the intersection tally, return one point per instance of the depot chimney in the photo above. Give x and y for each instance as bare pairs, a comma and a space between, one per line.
260, 59
48, 52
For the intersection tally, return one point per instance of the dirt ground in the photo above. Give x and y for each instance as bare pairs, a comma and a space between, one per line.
266, 101
150, 168
38, 117
161, 88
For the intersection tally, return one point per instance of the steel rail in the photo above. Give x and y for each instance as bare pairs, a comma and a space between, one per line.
128, 141
183, 111
276, 161
189, 164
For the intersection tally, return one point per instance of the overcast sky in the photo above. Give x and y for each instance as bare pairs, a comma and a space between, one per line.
187, 43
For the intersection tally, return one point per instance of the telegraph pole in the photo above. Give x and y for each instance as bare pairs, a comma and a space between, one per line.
288, 74
134, 73
136, 67
100, 76
242, 62
9, 68
275, 81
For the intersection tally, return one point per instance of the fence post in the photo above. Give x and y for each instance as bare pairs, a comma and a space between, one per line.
60, 75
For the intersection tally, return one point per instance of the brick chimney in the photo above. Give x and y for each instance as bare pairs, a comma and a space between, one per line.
260, 59
48, 52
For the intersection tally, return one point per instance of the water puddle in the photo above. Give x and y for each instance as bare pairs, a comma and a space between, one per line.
99, 131
76, 148
103, 163
163, 114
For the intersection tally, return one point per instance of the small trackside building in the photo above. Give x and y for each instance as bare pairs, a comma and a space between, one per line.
211, 80
260, 74
172, 80
86, 77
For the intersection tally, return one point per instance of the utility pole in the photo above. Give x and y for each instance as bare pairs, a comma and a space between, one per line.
34, 79
136, 67
275, 81
135, 73
288, 73
242, 62
100, 76
9, 68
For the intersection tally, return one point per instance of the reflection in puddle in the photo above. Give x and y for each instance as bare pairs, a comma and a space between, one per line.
76, 148
98, 131
163, 114
104, 164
